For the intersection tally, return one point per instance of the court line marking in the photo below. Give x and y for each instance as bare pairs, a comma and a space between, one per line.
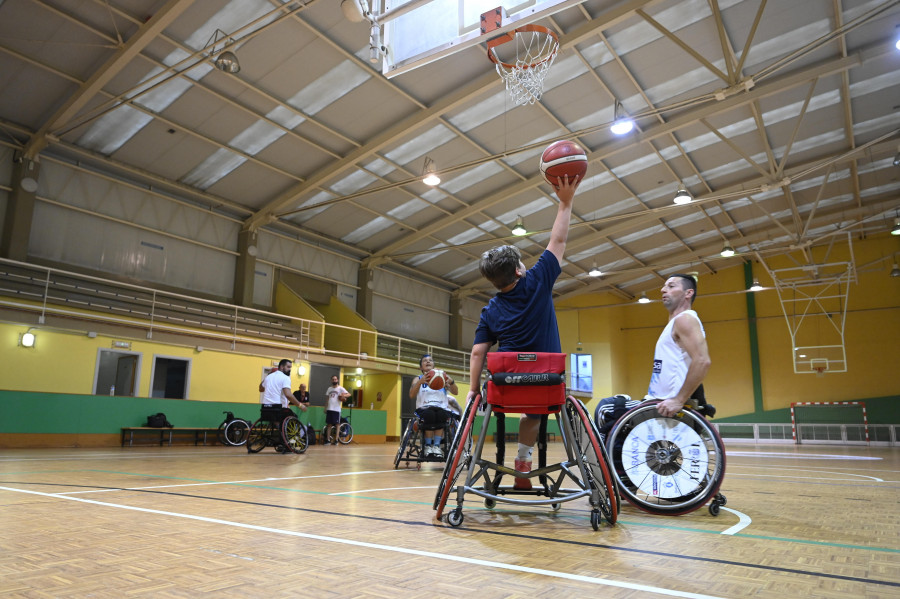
804, 456
743, 521
810, 477
378, 546
385, 489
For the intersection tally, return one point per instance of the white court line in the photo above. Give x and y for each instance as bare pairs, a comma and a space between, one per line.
805, 456
743, 521
730, 474
431, 554
388, 489
232, 482
881, 480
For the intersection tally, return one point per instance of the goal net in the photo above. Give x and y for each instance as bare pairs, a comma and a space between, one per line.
829, 422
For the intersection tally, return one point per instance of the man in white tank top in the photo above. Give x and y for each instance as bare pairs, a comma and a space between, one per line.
681, 359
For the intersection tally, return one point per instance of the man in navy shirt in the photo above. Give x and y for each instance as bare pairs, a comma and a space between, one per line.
521, 317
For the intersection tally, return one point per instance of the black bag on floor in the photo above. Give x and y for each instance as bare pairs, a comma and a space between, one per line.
158, 421
310, 435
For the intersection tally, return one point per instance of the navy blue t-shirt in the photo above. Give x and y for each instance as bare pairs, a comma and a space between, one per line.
523, 318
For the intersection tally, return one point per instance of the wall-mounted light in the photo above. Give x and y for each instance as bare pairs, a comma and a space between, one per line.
594, 271
643, 299
358, 370
727, 251
429, 173
27, 339
682, 196
358, 383
896, 229
519, 229
895, 272
301, 370
622, 123
756, 286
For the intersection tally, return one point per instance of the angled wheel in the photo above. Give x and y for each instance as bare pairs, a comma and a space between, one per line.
293, 433
259, 436
458, 458
591, 456
404, 443
236, 432
666, 465
345, 433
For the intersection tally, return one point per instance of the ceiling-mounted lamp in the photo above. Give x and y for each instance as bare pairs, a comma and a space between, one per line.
429, 173
727, 251
595, 272
519, 229
897, 157
224, 59
756, 286
643, 299
896, 229
622, 123
895, 272
682, 196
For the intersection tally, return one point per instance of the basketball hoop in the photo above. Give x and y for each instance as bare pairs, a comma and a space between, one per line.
820, 370
527, 54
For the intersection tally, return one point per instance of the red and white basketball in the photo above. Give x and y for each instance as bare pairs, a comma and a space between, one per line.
437, 380
563, 158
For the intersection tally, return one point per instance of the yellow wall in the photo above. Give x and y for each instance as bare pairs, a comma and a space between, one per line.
622, 338
389, 386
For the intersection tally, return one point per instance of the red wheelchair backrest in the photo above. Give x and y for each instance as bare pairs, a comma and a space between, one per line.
526, 382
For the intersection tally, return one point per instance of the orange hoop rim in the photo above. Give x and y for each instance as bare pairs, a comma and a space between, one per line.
510, 36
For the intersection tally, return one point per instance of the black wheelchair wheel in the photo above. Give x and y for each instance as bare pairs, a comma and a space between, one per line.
590, 454
458, 458
345, 433
666, 465
236, 432
293, 433
259, 436
404, 443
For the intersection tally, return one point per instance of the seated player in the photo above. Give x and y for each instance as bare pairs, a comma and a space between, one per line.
432, 406
276, 390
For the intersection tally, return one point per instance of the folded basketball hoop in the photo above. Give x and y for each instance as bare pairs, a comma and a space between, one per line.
523, 57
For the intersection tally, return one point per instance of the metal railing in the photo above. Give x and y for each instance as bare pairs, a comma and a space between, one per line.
810, 434
83, 299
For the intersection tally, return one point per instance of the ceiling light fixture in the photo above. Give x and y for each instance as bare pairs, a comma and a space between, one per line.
756, 286
896, 229
595, 272
225, 60
429, 172
622, 123
643, 299
895, 272
519, 229
682, 196
897, 157
727, 251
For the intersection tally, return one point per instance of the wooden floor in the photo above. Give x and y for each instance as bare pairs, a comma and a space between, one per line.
339, 521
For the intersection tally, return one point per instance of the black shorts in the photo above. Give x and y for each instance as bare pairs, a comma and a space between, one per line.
332, 417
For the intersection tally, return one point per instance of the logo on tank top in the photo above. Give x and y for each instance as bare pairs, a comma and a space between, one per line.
657, 366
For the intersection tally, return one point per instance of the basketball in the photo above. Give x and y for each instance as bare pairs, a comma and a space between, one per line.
437, 379
563, 158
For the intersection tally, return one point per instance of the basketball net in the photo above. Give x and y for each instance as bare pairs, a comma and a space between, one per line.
526, 55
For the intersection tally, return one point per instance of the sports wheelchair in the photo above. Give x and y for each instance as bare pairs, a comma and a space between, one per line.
532, 383
277, 427
668, 465
412, 444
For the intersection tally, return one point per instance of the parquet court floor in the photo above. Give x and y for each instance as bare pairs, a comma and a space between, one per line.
340, 521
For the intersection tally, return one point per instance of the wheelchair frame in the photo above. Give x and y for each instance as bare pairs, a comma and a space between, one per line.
412, 444
667, 465
587, 466
287, 435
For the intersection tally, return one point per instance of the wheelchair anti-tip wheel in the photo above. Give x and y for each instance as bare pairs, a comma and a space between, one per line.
458, 460
590, 454
293, 433
666, 465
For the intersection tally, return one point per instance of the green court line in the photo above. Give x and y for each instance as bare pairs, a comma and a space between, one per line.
495, 510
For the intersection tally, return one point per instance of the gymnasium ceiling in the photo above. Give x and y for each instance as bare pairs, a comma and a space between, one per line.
781, 118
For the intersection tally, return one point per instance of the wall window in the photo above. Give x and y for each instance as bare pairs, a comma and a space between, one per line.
117, 373
581, 372
170, 378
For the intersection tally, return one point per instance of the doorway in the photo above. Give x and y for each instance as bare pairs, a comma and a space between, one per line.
117, 373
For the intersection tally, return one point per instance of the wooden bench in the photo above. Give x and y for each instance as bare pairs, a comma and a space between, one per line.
166, 435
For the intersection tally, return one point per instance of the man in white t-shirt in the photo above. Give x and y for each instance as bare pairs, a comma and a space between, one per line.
335, 395
276, 389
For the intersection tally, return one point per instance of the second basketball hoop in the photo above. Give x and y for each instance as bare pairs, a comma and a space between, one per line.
522, 56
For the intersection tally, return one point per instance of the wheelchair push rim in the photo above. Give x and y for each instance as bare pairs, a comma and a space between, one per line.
666, 465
